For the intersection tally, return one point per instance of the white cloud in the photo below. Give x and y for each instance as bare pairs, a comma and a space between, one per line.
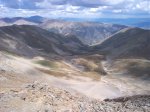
77, 8
145, 5
117, 11
98, 9
73, 9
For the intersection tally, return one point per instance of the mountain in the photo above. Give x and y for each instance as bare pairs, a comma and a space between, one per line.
23, 22
15, 21
11, 20
3, 23
36, 19
33, 20
127, 43
31, 40
133, 22
57, 72
88, 32
142, 24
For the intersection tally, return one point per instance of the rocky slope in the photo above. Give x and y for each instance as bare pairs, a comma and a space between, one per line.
38, 97
88, 32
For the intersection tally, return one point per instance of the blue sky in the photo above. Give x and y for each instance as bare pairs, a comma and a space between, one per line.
76, 8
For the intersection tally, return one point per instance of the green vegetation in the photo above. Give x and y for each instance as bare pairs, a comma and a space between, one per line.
90, 65
139, 68
133, 67
10, 53
47, 63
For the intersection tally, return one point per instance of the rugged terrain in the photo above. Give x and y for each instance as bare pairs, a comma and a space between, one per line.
42, 71
31, 41
89, 33
24, 87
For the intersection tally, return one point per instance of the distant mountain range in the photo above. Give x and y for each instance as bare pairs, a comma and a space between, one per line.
34, 19
35, 35
132, 22
88, 32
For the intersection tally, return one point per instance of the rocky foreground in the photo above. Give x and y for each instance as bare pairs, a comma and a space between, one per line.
38, 97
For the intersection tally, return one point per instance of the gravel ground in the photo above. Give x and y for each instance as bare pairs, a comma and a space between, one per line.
38, 97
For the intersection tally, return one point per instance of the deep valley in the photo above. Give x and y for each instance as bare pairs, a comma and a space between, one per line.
59, 66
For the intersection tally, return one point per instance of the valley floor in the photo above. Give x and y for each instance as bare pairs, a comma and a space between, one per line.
33, 85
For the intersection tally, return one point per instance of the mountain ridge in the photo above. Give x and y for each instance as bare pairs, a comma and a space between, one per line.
129, 42
89, 33
34, 38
